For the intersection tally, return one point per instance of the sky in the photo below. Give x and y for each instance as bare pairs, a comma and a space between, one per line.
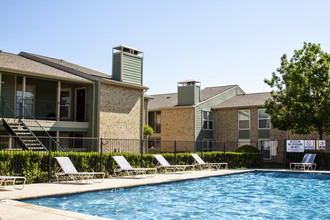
216, 42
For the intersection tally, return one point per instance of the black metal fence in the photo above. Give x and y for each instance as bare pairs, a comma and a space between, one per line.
276, 149
96, 147
84, 144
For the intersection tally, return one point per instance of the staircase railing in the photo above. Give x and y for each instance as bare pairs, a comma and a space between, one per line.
34, 126
4, 111
31, 122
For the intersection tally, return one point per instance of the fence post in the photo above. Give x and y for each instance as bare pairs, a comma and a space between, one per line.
224, 150
284, 154
142, 143
49, 165
175, 151
101, 155
262, 156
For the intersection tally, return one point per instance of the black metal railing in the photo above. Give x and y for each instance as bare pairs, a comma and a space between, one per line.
37, 130
45, 110
31, 124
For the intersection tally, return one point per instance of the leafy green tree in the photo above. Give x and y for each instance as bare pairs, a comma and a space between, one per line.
300, 99
148, 131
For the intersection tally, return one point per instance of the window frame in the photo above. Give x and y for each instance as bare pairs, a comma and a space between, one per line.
65, 105
207, 145
267, 120
238, 119
152, 121
208, 120
158, 126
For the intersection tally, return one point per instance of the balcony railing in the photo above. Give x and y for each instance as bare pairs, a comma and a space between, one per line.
47, 110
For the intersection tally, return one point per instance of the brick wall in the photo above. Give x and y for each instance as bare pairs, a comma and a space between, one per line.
120, 113
177, 124
225, 123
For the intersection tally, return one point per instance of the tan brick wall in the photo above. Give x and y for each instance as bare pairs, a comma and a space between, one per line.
120, 113
177, 124
225, 123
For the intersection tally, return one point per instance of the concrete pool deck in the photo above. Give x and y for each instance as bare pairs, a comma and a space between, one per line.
11, 209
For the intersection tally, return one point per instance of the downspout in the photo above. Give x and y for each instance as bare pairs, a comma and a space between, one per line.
23, 96
97, 113
93, 111
194, 130
142, 115
58, 109
142, 125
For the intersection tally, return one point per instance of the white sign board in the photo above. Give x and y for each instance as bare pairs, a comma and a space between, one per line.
309, 145
295, 146
321, 144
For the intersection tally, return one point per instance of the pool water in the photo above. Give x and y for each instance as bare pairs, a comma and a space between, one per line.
254, 195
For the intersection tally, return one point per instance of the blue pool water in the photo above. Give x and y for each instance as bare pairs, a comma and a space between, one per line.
255, 195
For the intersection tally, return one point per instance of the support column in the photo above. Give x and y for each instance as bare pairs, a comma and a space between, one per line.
0, 84
23, 96
58, 109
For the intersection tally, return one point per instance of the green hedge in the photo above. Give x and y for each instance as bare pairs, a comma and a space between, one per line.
36, 166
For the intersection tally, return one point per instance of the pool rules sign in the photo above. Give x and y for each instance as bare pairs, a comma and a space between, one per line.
295, 146
302, 145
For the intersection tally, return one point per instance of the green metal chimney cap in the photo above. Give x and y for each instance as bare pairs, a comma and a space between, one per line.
126, 49
189, 82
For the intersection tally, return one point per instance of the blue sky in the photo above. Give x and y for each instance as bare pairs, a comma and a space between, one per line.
216, 42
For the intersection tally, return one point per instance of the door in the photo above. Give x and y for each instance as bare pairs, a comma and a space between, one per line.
80, 104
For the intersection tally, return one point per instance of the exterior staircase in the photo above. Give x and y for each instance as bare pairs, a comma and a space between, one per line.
25, 137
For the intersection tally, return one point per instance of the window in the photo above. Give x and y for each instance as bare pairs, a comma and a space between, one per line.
158, 127
207, 120
264, 119
65, 101
29, 99
155, 121
244, 119
207, 145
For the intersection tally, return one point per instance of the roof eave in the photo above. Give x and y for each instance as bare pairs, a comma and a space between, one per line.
239, 106
123, 84
35, 74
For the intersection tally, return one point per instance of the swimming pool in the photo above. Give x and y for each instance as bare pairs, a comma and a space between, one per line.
255, 195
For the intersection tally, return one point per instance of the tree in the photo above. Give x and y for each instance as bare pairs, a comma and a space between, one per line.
147, 131
300, 99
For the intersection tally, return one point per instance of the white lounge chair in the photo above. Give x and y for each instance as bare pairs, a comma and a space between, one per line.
124, 168
199, 161
307, 163
163, 164
17, 181
67, 171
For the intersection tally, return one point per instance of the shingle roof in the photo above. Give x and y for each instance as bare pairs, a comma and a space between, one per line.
210, 92
163, 100
64, 63
245, 100
171, 99
15, 63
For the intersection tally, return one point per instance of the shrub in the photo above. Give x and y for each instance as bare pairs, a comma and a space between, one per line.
247, 149
38, 166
